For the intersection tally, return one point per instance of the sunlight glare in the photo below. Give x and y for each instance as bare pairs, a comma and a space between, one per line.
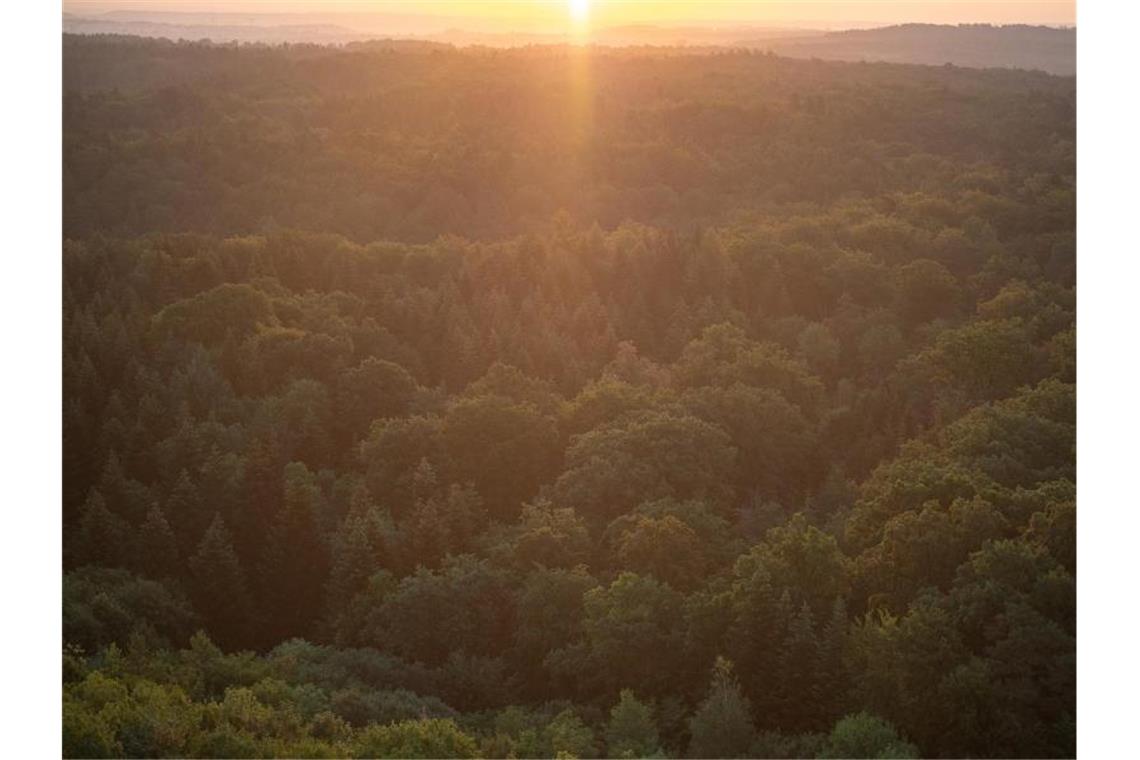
579, 9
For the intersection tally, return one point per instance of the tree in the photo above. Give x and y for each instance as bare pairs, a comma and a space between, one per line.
185, 510
987, 359
568, 736
925, 289
376, 389
723, 356
633, 614
654, 455
551, 537
831, 663
157, 554
440, 523
394, 451
806, 562
549, 605
797, 676
354, 560
218, 585
431, 738
631, 731
665, 548
102, 534
506, 449
864, 735
722, 725
819, 349
295, 561
104, 606
777, 445
465, 606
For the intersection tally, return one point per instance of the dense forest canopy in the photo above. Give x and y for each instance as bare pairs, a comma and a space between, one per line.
413, 395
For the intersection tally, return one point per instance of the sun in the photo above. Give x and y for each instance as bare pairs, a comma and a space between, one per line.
579, 9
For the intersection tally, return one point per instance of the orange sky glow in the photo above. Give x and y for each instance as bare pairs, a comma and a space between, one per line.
555, 15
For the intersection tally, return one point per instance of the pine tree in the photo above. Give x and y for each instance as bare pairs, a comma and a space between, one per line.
295, 564
157, 549
757, 631
631, 731
218, 585
831, 665
353, 562
797, 678
722, 725
264, 493
123, 496
183, 508
103, 535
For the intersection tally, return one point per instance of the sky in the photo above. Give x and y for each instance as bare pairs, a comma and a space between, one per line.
555, 15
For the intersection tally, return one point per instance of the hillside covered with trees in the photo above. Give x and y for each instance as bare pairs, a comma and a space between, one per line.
423, 402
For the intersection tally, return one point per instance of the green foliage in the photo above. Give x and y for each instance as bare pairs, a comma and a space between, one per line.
615, 467
632, 615
631, 731
208, 316
103, 606
505, 448
218, 584
551, 537
722, 724
430, 738
376, 389
465, 606
569, 737
864, 735
790, 380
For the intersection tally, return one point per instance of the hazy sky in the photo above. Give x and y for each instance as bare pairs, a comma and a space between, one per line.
519, 15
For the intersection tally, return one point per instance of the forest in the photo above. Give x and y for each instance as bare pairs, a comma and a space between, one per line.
555, 402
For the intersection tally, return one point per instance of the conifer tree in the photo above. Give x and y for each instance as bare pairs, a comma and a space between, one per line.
797, 678
722, 725
631, 731
218, 585
103, 535
830, 664
295, 563
157, 552
353, 562
184, 509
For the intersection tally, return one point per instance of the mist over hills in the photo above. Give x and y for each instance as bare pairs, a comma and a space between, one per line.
1043, 48
974, 45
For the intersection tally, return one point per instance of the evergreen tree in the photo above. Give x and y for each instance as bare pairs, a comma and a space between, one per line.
184, 509
865, 735
722, 725
218, 585
631, 731
157, 550
295, 563
797, 678
103, 535
353, 562
123, 495
831, 665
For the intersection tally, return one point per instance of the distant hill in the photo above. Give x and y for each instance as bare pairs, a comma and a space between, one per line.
975, 45
1042, 48
176, 29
